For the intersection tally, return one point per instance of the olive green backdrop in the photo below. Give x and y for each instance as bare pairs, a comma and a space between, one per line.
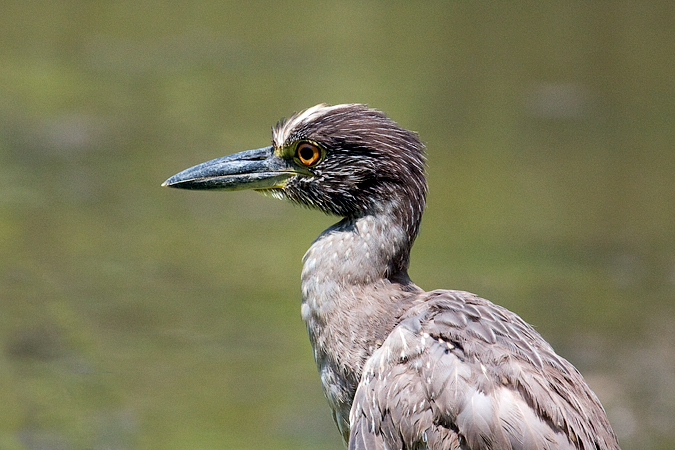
138, 317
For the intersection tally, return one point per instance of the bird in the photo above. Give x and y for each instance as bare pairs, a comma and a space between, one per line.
403, 368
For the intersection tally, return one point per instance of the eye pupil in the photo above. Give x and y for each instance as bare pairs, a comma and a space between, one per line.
306, 153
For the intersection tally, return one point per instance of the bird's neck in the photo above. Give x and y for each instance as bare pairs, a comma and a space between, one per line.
354, 289
359, 251
355, 256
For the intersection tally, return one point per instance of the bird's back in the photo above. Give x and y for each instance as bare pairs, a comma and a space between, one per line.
461, 372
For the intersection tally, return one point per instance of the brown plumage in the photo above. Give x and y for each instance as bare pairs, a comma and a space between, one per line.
403, 368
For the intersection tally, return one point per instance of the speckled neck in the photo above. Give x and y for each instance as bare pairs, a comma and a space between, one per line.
348, 302
353, 253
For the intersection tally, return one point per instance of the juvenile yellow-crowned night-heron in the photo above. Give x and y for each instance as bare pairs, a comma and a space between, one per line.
403, 368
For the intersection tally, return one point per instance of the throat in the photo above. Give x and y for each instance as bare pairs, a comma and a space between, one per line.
356, 252
355, 270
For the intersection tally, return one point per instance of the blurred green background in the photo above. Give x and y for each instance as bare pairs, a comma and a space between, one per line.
137, 317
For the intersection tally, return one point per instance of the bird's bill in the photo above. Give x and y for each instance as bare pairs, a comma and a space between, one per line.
258, 169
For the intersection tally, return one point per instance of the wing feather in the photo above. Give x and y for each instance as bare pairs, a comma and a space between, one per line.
461, 373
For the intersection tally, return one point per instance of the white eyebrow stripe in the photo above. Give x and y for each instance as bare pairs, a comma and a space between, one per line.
281, 134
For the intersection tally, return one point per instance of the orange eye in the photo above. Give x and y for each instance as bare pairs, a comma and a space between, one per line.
308, 153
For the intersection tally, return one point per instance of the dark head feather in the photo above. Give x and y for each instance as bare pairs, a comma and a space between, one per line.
371, 164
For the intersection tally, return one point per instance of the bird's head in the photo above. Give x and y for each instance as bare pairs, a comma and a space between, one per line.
347, 160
